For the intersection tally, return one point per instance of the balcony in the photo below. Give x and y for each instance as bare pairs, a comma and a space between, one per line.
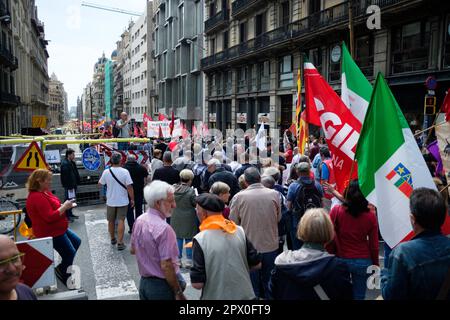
243, 7
217, 22
8, 98
311, 26
7, 59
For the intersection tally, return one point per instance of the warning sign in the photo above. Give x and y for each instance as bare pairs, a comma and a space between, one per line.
31, 159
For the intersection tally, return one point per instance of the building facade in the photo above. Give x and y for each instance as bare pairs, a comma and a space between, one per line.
58, 102
255, 49
97, 90
9, 101
178, 36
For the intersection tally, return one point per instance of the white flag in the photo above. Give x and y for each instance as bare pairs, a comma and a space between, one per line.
261, 138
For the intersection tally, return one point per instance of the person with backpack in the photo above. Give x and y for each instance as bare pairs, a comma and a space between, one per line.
119, 194
303, 194
122, 130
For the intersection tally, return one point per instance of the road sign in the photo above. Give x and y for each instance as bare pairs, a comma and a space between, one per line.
31, 159
39, 262
91, 159
39, 121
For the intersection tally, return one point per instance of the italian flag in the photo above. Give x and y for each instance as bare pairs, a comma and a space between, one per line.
390, 164
355, 88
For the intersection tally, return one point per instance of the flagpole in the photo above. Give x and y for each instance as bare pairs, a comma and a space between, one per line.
433, 126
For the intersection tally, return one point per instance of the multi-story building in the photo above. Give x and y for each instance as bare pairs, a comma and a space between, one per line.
57, 100
127, 77
31, 81
87, 103
178, 34
98, 89
255, 49
9, 101
109, 88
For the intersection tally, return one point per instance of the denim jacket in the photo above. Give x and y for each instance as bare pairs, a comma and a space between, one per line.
417, 269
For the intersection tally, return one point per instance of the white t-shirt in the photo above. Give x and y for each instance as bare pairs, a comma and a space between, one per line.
116, 195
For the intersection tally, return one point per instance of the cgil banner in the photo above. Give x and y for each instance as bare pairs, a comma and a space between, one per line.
153, 128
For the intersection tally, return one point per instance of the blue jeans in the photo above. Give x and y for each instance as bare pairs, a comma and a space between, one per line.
155, 289
358, 272
66, 245
296, 242
180, 248
387, 252
260, 278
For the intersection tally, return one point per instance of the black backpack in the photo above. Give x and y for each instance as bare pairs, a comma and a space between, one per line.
116, 131
307, 197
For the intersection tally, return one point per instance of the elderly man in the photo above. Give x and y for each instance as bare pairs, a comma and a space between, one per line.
154, 243
124, 130
257, 209
219, 173
11, 268
167, 173
222, 254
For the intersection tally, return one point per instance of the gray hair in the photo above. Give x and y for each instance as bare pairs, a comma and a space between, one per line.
304, 159
214, 162
272, 172
167, 156
131, 158
156, 191
116, 158
252, 176
268, 182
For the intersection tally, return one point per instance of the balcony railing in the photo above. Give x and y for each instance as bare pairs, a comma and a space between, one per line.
322, 20
217, 21
244, 6
9, 98
8, 59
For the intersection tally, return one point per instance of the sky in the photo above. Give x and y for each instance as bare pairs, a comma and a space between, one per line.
79, 35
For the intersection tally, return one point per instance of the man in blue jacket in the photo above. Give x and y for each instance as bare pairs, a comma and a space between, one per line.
420, 268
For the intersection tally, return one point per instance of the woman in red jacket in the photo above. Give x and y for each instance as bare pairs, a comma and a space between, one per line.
356, 239
49, 219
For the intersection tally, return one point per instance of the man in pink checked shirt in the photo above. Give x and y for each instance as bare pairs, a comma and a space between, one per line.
154, 243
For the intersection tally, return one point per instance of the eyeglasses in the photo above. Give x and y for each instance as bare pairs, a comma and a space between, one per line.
15, 260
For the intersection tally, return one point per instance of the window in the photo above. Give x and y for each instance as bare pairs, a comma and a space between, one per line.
194, 55
242, 79
285, 13
212, 9
181, 22
411, 43
364, 54
316, 58
286, 75
225, 40
212, 49
243, 32
219, 84
264, 75
227, 81
260, 25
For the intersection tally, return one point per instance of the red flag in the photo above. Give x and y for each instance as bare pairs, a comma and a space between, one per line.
194, 130
325, 108
205, 130
446, 106
293, 129
160, 132
172, 123
136, 131
161, 117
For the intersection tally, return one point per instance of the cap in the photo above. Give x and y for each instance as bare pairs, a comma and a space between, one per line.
303, 167
210, 202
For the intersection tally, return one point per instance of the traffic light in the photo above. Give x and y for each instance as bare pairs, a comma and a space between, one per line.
430, 105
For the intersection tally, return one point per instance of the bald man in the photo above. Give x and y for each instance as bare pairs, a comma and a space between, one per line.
11, 268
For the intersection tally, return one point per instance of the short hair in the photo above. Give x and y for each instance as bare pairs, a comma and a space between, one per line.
156, 191
316, 227
157, 153
218, 155
268, 182
35, 179
214, 162
304, 158
116, 158
325, 152
242, 183
69, 151
131, 157
197, 148
272, 172
167, 156
252, 175
186, 175
428, 208
219, 188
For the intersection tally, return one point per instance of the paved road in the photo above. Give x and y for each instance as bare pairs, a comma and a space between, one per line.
107, 273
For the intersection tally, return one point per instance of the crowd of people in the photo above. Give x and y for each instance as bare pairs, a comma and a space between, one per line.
250, 228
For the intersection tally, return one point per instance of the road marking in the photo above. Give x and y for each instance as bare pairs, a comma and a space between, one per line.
111, 273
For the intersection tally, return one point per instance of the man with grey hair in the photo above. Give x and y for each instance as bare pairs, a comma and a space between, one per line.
219, 173
167, 173
124, 130
154, 243
139, 175
257, 209
119, 194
